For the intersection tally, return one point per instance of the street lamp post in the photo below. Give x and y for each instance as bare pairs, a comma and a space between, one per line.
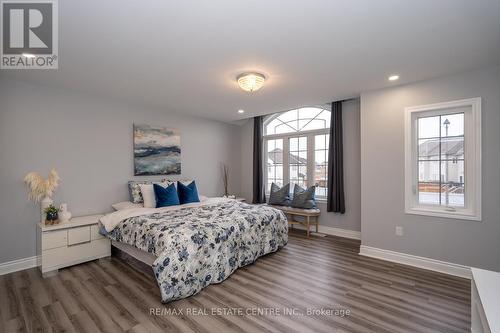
446, 124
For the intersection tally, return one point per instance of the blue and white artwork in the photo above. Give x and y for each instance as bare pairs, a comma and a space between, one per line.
157, 150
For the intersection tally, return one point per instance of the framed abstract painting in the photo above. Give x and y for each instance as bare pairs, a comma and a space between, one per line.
157, 150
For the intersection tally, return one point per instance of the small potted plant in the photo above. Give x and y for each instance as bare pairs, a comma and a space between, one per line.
51, 215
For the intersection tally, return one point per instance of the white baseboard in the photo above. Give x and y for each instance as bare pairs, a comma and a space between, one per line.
333, 231
416, 261
18, 265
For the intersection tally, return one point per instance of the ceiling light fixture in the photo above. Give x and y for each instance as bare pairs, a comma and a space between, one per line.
28, 55
393, 77
240, 111
251, 81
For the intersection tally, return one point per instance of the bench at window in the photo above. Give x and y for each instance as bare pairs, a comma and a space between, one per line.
309, 216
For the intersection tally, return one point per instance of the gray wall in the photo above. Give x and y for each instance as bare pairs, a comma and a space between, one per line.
351, 220
469, 243
89, 141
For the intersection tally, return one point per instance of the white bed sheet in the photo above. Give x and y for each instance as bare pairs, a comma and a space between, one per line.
110, 221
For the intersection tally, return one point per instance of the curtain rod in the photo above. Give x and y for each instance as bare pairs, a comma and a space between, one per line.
342, 100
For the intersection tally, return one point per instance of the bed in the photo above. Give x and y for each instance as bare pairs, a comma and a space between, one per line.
194, 245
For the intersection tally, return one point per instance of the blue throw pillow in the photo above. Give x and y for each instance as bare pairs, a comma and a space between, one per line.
279, 196
166, 196
304, 198
187, 194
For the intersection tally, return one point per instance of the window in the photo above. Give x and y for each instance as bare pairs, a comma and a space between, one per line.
296, 147
275, 161
443, 159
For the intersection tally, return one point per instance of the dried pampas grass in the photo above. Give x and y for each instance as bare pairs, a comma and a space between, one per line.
225, 179
40, 188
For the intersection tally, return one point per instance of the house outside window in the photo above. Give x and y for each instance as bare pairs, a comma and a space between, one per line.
296, 149
443, 159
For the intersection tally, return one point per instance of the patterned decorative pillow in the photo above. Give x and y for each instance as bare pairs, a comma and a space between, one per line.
279, 196
304, 198
183, 181
134, 189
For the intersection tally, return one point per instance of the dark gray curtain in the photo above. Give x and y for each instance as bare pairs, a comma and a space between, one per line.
259, 194
336, 198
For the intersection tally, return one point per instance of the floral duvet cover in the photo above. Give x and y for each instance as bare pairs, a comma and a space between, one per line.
199, 246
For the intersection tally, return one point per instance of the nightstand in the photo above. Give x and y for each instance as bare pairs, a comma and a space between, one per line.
70, 243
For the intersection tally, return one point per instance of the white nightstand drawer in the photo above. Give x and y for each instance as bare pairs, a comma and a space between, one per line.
78, 235
54, 239
94, 232
71, 255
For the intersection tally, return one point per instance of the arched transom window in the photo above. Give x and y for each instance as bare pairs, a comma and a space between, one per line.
296, 148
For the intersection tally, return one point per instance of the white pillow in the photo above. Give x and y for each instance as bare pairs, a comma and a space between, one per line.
126, 205
148, 194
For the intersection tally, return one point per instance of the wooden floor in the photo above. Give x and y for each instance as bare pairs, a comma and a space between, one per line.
317, 273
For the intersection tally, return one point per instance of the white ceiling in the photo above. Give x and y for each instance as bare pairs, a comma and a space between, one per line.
184, 56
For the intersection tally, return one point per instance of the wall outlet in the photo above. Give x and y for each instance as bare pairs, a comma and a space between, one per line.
399, 230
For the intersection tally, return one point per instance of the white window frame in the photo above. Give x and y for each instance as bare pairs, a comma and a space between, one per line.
472, 151
310, 134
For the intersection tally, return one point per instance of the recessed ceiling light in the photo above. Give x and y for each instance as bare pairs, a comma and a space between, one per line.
393, 77
28, 55
241, 111
251, 81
